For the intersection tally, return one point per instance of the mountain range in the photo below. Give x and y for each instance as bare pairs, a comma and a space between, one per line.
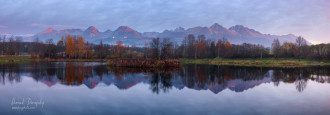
237, 34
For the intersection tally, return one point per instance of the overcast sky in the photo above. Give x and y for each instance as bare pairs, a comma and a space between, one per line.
308, 18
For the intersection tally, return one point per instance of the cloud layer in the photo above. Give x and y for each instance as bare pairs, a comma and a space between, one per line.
309, 18
2, 26
56, 26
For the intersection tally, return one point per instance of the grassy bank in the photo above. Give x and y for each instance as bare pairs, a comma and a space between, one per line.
258, 62
8, 59
176, 63
18, 59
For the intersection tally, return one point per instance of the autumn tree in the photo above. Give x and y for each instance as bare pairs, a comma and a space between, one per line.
81, 47
228, 50
288, 50
276, 48
70, 46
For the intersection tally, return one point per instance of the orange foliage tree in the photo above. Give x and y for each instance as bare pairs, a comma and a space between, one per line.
81, 48
229, 50
70, 46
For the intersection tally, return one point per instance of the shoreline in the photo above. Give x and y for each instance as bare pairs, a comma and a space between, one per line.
217, 61
258, 62
17, 59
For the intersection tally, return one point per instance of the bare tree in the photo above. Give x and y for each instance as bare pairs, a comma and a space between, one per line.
155, 48
220, 48
11, 46
50, 44
300, 44
191, 49
4, 45
18, 44
146, 50
101, 50
1, 44
166, 49
276, 46
35, 49
260, 50
119, 49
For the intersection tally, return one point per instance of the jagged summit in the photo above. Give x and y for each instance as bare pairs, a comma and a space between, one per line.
216, 25
179, 29
49, 30
244, 31
220, 30
126, 32
91, 32
92, 29
124, 28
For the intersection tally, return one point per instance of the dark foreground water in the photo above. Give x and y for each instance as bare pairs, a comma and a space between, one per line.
92, 88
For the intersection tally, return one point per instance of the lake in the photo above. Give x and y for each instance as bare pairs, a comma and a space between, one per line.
94, 88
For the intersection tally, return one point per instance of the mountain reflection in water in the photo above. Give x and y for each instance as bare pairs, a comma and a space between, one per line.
197, 77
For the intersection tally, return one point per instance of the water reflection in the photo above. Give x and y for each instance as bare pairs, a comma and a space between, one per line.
198, 77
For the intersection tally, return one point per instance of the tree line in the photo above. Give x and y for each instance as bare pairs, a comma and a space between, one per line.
76, 47
200, 48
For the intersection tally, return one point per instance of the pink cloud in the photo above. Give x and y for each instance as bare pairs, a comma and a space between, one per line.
25, 35
21, 35
59, 26
7, 34
2, 26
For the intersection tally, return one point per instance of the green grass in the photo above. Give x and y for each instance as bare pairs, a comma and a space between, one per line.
15, 59
257, 62
4, 59
216, 61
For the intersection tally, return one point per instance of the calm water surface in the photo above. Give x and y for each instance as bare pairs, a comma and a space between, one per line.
93, 88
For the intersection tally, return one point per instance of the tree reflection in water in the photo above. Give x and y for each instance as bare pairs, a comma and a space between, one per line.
198, 77
161, 81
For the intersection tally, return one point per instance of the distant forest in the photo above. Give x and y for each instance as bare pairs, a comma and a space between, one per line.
193, 47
